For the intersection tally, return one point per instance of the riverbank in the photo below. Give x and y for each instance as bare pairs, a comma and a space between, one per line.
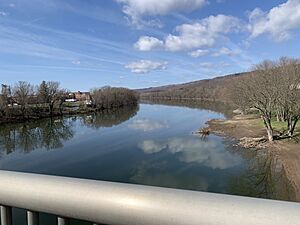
250, 133
42, 114
36, 113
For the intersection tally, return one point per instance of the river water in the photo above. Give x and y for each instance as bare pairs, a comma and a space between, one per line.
152, 144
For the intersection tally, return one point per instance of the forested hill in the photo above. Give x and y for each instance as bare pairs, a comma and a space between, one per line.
216, 89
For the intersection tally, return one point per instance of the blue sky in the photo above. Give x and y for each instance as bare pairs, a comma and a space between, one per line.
141, 43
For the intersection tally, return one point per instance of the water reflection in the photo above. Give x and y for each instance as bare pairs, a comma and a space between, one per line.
219, 107
164, 174
47, 134
109, 118
264, 178
147, 125
52, 133
193, 150
154, 148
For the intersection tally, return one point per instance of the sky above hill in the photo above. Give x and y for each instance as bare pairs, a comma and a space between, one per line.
141, 43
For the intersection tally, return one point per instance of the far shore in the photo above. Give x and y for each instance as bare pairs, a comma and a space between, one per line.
67, 111
43, 115
250, 133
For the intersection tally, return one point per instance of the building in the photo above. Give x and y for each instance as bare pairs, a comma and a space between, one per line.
82, 96
70, 98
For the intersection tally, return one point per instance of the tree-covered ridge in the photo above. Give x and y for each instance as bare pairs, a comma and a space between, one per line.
216, 89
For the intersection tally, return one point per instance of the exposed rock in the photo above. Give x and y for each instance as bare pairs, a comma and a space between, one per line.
257, 143
237, 111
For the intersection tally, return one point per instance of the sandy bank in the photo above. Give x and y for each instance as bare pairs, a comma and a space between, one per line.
248, 131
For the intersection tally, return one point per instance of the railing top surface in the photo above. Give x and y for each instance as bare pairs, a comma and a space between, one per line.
128, 204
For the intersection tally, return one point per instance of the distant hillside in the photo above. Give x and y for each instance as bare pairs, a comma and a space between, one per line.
216, 89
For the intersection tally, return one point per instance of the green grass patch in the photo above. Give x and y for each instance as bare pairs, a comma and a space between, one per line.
277, 125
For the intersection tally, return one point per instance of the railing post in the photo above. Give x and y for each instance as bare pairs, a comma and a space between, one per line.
62, 221
32, 218
6, 215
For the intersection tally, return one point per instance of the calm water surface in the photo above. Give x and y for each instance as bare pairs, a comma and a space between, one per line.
151, 144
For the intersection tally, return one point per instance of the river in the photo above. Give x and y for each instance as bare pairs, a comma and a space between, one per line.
152, 144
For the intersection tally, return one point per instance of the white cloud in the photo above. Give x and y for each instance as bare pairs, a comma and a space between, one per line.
159, 7
136, 9
12, 5
227, 52
146, 66
146, 125
146, 43
190, 150
203, 33
76, 62
3, 13
278, 22
199, 52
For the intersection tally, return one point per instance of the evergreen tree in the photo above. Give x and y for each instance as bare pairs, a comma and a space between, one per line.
43, 92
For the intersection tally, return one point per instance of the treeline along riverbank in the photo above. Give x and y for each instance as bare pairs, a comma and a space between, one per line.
24, 101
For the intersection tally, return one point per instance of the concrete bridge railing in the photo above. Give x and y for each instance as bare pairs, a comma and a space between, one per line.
126, 204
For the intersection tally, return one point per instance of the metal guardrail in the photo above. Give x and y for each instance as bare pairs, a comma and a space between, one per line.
126, 204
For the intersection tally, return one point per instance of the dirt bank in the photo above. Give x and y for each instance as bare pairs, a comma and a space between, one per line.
249, 132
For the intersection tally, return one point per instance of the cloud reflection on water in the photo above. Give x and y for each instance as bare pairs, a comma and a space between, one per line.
191, 150
147, 125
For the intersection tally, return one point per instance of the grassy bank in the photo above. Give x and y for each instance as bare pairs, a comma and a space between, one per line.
281, 127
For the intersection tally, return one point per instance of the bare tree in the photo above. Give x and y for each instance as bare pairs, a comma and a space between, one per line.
108, 97
259, 90
62, 96
52, 94
22, 93
289, 88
